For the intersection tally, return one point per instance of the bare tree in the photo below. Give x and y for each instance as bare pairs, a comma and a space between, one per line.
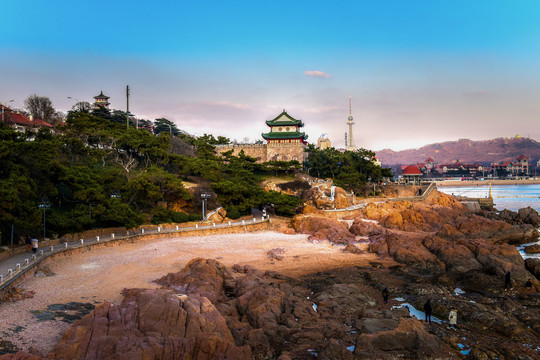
82, 106
40, 107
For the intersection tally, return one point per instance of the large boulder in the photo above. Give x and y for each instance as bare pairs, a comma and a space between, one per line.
151, 324
323, 228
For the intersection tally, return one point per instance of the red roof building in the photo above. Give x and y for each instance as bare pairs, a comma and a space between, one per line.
411, 170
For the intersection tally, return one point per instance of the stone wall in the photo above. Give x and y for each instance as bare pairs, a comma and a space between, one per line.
253, 150
264, 152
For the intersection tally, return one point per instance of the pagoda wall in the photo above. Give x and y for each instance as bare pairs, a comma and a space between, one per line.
286, 152
267, 152
257, 151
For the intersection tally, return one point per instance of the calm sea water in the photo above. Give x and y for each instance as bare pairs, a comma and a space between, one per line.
511, 197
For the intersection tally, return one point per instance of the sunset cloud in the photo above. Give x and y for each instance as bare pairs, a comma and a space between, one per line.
317, 73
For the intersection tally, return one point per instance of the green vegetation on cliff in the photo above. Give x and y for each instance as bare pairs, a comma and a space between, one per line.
93, 172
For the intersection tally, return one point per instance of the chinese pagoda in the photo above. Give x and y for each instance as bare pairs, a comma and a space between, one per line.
284, 129
102, 101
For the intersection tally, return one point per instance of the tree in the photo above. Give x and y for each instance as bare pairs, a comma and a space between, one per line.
82, 106
164, 125
40, 107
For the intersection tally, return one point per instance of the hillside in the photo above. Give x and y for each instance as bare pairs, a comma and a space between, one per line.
465, 150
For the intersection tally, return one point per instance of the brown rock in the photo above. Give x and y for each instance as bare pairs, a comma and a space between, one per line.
322, 228
532, 249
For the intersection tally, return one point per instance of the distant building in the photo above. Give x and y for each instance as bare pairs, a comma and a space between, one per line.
323, 142
284, 141
411, 174
349, 139
101, 101
518, 167
21, 122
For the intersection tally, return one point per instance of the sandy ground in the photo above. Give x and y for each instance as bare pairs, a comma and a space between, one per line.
100, 275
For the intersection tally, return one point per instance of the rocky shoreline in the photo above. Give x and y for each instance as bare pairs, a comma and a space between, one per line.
433, 250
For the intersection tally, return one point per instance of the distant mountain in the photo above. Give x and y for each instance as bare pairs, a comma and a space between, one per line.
465, 150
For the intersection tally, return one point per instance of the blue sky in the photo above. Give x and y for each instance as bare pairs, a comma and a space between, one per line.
418, 71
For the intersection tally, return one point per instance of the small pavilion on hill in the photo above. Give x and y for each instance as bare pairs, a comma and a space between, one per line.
411, 174
102, 100
284, 129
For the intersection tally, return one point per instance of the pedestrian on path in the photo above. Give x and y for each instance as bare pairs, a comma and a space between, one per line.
427, 310
34, 245
28, 243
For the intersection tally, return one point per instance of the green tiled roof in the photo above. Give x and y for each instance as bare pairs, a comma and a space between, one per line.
288, 121
284, 135
101, 96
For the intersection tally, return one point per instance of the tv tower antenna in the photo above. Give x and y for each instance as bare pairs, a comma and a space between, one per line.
349, 143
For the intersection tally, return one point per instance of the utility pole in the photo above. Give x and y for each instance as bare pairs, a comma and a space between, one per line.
127, 110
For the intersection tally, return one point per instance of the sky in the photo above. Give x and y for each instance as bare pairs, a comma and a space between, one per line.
418, 71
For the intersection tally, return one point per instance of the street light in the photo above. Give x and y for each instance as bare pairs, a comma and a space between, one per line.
204, 197
44, 205
3, 106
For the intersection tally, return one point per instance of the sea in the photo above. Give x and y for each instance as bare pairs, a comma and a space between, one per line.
511, 197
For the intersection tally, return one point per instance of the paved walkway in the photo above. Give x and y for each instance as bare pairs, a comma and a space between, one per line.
13, 266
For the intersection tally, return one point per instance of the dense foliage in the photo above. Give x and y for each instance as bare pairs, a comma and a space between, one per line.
350, 170
94, 172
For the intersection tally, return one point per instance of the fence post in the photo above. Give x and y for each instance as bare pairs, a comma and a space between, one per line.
97, 238
34, 257
176, 227
196, 226
66, 244
214, 224
229, 223
52, 248
254, 220
243, 222
40, 252
112, 235
18, 267
26, 262
142, 231
82, 241
10, 273
158, 228
1, 279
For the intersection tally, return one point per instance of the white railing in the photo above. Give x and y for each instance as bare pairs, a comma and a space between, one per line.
17, 269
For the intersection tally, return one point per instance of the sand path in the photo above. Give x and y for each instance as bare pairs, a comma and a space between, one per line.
99, 275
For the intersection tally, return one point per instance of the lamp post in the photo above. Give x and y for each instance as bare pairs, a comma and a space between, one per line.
44, 205
3, 106
204, 197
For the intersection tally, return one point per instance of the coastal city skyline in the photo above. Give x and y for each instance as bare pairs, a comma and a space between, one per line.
416, 74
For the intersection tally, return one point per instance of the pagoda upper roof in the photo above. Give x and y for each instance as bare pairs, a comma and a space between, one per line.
284, 119
284, 135
101, 96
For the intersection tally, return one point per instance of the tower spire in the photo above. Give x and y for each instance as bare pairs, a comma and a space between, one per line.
349, 143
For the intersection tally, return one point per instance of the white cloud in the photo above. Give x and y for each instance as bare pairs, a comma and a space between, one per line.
317, 73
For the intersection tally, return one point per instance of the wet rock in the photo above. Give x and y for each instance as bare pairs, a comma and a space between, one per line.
533, 266
532, 249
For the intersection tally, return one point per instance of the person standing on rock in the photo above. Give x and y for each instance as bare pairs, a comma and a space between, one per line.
507, 280
385, 295
427, 310
452, 317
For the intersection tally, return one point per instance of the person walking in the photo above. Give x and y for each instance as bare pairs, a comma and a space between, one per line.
507, 280
34, 245
28, 243
385, 295
427, 310
452, 317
